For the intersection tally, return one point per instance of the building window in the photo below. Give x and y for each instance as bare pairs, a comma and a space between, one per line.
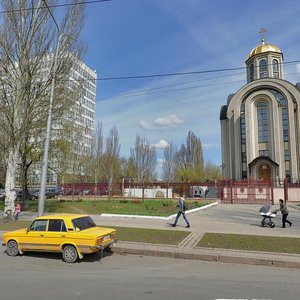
262, 122
263, 69
243, 139
275, 68
264, 153
251, 72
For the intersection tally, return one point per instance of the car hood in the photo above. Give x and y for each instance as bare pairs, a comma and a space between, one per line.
15, 232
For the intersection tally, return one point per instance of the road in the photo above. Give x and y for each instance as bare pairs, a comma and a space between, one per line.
46, 276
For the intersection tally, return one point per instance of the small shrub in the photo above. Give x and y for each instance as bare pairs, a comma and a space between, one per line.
124, 201
136, 201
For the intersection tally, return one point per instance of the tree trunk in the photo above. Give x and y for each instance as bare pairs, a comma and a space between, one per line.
10, 184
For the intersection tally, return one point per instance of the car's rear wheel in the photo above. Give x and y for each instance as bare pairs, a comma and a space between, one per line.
12, 248
69, 254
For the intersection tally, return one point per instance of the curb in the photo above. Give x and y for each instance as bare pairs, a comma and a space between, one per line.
159, 218
208, 257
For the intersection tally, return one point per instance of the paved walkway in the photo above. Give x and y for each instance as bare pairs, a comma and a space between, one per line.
222, 218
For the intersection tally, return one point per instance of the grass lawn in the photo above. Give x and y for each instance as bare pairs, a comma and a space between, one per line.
141, 235
251, 242
130, 207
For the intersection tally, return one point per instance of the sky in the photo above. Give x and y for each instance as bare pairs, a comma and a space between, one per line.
154, 37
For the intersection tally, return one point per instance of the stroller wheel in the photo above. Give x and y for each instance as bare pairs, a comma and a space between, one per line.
263, 223
272, 225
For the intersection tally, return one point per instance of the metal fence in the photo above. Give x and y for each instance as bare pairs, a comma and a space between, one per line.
246, 191
164, 189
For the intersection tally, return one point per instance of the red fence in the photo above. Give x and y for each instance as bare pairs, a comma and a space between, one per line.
245, 191
105, 189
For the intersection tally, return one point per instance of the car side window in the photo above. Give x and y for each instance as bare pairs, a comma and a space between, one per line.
39, 225
57, 225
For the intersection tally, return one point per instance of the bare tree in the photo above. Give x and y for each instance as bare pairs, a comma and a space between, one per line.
27, 39
98, 154
169, 164
111, 159
190, 161
143, 156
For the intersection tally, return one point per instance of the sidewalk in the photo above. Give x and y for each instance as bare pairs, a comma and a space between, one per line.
223, 218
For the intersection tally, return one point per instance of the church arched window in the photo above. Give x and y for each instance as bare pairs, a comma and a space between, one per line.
275, 68
251, 72
243, 139
262, 122
263, 69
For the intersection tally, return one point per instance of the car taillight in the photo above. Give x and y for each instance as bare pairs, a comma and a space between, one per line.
99, 240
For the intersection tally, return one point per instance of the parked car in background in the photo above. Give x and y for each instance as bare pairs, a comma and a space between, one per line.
71, 234
50, 192
86, 192
20, 195
70, 192
2, 194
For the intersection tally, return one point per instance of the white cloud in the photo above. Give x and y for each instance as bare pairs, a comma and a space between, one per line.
162, 122
171, 120
146, 125
162, 144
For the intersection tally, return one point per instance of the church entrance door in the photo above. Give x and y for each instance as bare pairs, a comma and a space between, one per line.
264, 172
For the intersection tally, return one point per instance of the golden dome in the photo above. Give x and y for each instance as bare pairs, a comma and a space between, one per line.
264, 48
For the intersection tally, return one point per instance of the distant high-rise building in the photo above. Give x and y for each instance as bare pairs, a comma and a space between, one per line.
82, 115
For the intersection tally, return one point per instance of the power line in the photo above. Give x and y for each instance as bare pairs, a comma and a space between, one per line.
184, 73
53, 6
157, 89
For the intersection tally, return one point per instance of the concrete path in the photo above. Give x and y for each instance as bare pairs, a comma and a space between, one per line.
222, 218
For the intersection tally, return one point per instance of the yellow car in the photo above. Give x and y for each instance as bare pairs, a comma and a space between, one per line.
71, 234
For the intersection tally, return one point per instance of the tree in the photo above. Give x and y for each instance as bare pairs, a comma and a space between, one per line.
27, 38
169, 164
143, 157
98, 153
111, 159
212, 171
190, 161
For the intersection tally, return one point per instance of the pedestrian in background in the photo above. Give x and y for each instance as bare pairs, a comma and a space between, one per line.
181, 211
285, 213
17, 210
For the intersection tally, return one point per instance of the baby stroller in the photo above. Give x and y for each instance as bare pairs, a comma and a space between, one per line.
267, 216
267, 219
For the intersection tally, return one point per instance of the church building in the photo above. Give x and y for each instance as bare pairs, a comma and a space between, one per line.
260, 124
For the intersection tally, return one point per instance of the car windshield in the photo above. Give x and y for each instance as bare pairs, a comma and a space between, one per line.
83, 223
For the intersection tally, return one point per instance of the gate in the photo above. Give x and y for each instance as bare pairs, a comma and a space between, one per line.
246, 191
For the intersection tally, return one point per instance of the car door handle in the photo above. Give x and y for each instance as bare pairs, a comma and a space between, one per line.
41, 235
63, 235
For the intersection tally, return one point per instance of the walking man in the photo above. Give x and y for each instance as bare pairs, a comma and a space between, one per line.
181, 211
285, 213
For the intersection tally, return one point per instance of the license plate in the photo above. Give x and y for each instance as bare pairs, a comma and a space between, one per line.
106, 237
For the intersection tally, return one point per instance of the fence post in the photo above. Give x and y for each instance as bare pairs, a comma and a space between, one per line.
272, 191
231, 191
286, 190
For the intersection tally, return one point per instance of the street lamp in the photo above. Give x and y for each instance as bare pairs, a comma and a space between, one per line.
48, 131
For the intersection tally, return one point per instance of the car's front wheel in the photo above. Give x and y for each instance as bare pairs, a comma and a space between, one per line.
69, 254
12, 248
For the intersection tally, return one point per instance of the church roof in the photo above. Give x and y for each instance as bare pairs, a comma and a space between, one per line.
264, 48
